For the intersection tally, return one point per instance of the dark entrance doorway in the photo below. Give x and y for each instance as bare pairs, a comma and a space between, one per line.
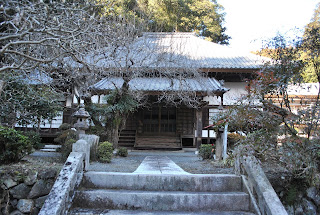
159, 120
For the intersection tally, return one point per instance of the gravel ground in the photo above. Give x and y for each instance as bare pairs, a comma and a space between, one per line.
188, 161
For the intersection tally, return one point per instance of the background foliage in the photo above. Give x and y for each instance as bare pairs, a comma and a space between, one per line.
204, 17
13, 145
24, 103
278, 133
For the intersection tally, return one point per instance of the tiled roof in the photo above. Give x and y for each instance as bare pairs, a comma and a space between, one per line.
204, 85
176, 50
37, 77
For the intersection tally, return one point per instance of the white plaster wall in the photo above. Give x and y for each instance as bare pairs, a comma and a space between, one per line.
69, 101
205, 133
55, 123
236, 92
95, 99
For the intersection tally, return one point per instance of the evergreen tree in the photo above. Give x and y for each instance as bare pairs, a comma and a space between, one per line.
311, 48
204, 17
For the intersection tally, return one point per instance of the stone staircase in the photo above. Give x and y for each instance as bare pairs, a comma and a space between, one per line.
127, 138
167, 191
50, 148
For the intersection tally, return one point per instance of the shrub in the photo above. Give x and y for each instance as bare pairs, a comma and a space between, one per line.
230, 161
65, 135
206, 151
105, 151
66, 138
35, 139
64, 126
66, 148
99, 131
234, 138
123, 152
13, 145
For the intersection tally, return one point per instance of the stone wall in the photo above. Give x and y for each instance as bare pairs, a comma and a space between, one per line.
25, 194
259, 188
297, 198
44, 192
61, 194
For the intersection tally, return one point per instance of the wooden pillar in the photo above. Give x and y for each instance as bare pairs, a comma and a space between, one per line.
199, 127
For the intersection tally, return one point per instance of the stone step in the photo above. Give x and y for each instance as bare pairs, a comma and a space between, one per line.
52, 146
48, 150
161, 200
163, 182
78, 211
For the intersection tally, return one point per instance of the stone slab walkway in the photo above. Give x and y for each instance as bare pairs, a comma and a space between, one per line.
159, 165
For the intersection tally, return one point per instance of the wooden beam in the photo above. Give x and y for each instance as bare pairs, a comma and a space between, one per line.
199, 127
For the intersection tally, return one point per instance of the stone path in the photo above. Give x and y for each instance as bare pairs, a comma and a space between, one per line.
46, 154
159, 165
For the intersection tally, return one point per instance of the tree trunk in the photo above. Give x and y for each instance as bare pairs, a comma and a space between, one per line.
115, 137
112, 131
1, 86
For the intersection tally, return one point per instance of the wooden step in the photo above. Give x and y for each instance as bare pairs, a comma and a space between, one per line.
127, 138
158, 142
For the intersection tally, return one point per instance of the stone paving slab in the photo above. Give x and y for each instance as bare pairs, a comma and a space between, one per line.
46, 154
159, 165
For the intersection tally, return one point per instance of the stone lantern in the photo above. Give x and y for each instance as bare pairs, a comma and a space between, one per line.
82, 115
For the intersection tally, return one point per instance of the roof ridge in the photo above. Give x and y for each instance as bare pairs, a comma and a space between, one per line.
174, 34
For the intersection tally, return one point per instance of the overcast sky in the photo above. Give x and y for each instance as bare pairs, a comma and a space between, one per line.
249, 22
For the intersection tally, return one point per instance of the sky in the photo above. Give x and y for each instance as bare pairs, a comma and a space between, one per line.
250, 22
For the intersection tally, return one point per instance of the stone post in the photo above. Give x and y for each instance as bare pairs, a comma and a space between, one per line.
83, 146
219, 138
225, 142
219, 144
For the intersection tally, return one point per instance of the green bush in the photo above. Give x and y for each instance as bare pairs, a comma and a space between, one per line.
65, 135
13, 145
35, 139
233, 139
105, 151
206, 151
64, 126
66, 148
66, 138
123, 152
99, 131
